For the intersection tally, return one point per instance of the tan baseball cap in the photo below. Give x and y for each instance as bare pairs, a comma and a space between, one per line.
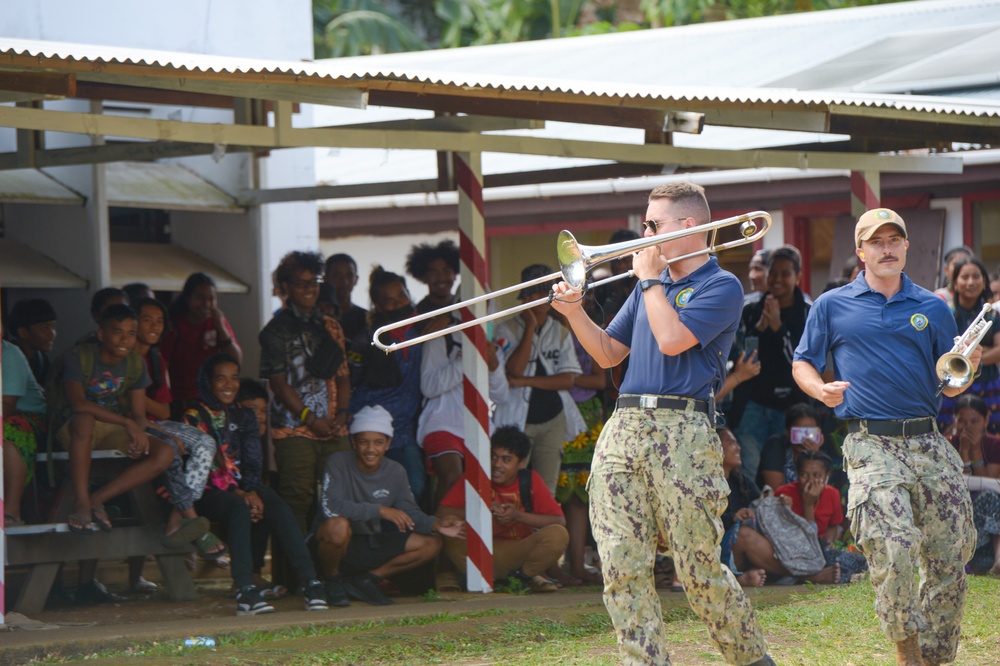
872, 220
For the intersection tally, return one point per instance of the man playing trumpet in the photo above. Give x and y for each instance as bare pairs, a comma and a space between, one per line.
657, 472
908, 503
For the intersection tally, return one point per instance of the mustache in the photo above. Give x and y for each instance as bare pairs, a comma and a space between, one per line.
889, 257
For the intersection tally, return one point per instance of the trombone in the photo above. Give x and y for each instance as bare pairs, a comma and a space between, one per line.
575, 261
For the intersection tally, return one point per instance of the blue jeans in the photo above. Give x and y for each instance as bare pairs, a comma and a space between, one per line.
757, 424
411, 457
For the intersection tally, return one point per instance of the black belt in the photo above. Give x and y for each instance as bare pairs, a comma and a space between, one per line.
905, 428
659, 402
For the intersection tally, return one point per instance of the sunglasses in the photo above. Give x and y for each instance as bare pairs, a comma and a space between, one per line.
653, 225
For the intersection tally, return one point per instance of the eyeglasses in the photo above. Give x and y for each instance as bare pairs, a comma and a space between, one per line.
304, 284
653, 225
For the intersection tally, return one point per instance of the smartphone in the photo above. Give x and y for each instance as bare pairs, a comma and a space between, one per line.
750, 346
799, 435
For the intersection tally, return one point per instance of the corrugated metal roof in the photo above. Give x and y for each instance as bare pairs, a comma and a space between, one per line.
24, 267
34, 186
583, 68
164, 185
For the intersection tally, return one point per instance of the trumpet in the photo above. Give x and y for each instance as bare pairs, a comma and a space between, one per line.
575, 261
953, 368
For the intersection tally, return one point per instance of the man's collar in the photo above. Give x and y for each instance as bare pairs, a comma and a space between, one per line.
907, 289
702, 271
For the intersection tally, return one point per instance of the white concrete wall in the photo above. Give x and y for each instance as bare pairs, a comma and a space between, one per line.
248, 245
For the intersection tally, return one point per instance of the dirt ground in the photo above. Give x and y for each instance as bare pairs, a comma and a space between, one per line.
144, 619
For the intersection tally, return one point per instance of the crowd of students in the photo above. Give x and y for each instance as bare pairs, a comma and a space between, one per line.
368, 447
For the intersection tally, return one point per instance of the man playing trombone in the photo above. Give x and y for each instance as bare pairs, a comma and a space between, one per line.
908, 503
657, 473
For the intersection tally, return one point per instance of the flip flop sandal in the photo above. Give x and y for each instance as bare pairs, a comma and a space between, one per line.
79, 523
11, 521
205, 545
189, 530
100, 518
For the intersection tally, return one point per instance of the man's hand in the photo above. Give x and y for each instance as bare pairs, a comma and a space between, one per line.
321, 427
573, 302
505, 513
256, 505
744, 514
139, 441
832, 393
530, 321
450, 527
647, 264
397, 517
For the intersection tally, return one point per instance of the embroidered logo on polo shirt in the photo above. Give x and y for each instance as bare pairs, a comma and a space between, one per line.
683, 297
918, 321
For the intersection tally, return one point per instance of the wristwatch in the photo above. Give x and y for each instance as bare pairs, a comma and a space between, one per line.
648, 284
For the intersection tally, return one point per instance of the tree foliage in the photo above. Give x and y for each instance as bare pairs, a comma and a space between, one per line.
363, 27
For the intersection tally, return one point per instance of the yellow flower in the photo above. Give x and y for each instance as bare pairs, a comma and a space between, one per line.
563, 480
581, 478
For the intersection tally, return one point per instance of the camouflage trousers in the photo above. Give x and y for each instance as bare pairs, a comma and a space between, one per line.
909, 510
657, 478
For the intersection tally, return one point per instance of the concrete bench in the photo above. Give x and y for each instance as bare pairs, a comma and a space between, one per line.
44, 547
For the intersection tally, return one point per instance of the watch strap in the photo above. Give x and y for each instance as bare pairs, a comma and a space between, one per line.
648, 284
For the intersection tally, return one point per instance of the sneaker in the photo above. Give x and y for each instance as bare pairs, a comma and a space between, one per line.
364, 587
315, 596
336, 595
250, 601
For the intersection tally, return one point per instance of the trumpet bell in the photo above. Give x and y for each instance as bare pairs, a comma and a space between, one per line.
955, 370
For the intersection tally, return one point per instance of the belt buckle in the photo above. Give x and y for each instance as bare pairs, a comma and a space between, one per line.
648, 401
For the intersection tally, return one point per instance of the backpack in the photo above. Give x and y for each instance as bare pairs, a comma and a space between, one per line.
524, 483
794, 538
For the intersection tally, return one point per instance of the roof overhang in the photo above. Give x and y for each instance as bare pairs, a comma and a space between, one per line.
886, 132
165, 186
165, 267
34, 186
25, 267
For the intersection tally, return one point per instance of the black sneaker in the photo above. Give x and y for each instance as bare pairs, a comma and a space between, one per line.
315, 596
364, 587
335, 593
250, 601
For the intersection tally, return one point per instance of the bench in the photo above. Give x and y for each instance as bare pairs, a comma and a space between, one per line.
44, 547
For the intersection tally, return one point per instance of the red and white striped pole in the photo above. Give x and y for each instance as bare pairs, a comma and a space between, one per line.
866, 192
472, 247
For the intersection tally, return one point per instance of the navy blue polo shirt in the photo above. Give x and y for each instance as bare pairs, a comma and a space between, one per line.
886, 349
709, 302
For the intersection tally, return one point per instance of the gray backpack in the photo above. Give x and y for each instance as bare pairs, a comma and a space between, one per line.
794, 538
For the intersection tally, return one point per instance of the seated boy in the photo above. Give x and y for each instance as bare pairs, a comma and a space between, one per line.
101, 404
372, 527
529, 530
33, 329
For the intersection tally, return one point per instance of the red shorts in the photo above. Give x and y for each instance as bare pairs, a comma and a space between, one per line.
439, 443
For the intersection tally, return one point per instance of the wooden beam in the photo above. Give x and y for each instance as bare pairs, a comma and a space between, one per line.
268, 137
145, 95
46, 84
116, 152
451, 124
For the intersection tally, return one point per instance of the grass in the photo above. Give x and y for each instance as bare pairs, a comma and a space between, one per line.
821, 625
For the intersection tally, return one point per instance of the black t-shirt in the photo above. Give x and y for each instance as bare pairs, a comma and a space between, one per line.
742, 492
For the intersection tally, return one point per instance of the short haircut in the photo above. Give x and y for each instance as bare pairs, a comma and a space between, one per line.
850, 264
798, 411
153, 303
817, 456
29, 312
116, 312
688, 197
622, 235
760, 257
962, 263
380, 278
135, 291
419, 260
972, 401
512, 439
251, 389
101, 298
787, 252
341, 258
296, 261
